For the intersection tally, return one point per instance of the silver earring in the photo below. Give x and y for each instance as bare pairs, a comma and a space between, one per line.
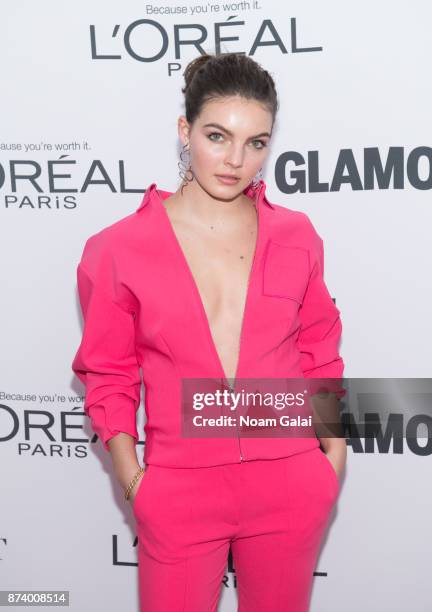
185, 166
256, 179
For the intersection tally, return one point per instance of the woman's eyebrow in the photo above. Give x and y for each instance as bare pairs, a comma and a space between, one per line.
220, 127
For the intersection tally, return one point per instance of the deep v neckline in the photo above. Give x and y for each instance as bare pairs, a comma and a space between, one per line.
195, 290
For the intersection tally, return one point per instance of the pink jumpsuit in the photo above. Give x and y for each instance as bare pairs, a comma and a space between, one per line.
267, 498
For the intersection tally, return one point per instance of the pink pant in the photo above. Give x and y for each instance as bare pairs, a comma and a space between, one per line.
273, 514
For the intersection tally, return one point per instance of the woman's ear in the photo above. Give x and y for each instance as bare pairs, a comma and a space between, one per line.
183, 129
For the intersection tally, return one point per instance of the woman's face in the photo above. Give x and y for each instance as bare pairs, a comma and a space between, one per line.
231, 136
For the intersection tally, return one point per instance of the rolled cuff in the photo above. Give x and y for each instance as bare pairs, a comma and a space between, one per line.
117, 413
327, 378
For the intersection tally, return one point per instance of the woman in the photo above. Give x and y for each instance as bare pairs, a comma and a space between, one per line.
213, 282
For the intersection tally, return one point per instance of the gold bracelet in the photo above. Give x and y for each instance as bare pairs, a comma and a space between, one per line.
133, 482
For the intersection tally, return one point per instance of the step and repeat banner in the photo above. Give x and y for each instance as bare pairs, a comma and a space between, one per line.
91, 94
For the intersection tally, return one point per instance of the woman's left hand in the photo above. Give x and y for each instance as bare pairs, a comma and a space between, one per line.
337, 456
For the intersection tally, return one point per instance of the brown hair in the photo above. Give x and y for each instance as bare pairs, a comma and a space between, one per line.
213, 76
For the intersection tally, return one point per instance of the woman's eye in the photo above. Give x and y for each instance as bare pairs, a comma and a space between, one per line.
262, 143
214, 134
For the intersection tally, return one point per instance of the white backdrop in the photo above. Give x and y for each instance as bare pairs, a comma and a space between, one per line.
86, 126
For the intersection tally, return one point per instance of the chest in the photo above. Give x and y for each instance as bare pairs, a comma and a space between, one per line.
218, 295
219, 264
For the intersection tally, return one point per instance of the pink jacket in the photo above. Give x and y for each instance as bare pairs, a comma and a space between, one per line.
142, 309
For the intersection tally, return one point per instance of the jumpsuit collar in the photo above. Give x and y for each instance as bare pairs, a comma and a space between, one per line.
257, 191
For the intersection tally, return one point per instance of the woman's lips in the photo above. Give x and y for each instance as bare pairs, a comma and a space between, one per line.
227, 180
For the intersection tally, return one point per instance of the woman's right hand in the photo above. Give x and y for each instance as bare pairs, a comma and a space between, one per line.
135, 489
125, 462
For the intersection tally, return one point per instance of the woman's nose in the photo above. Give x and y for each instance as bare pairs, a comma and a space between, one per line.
234, 156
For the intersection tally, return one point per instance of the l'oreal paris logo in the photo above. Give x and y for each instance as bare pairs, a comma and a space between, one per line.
147, 40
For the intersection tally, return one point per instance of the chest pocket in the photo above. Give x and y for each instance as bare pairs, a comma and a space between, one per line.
286, 272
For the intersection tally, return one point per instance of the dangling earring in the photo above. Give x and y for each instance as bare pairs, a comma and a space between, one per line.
256, 179
185, 166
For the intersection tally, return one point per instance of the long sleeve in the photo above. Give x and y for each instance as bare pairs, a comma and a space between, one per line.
321, 327
105, 361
